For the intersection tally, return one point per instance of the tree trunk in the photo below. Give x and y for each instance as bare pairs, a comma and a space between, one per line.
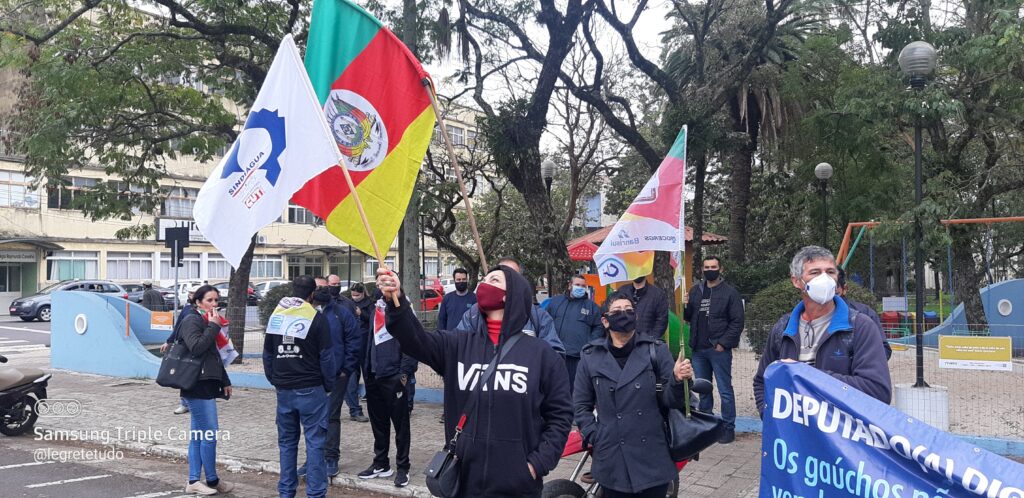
741, 162
238, 295
409, 233
966, 277
700, 171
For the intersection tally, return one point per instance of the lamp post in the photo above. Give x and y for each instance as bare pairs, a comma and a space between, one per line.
823, 171
547, 172
917, 60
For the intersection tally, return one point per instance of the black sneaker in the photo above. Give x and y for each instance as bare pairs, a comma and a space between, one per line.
402, 479
372, 472
359, 418
728, 436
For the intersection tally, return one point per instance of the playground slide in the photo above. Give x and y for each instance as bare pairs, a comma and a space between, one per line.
89, 334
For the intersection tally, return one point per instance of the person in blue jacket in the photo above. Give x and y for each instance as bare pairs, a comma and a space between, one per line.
826, 333
577, 320
454, 304
346, 345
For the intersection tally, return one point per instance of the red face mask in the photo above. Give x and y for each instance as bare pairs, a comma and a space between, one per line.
489, 297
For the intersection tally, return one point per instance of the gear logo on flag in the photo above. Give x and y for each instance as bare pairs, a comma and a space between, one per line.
258, 147
358, 129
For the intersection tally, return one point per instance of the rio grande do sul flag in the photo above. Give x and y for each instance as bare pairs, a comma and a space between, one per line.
373, 94
284, 143
653, 222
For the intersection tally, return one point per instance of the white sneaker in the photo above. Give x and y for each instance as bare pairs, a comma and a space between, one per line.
180, 410
224, 487
200, 488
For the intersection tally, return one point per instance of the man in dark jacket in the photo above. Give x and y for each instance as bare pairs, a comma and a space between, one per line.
577, 321
651, 306
454, 304
386, 372
152, 299
715, 312
826, 333
299, 363
346, 344
365, 307
863, 308
517, 432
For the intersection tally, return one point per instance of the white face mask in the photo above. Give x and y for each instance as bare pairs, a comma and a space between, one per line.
821, 289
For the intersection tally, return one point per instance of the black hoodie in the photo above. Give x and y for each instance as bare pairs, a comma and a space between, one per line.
525, 414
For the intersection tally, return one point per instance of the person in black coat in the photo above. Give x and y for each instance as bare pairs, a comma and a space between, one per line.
651, 306
517, 432
618, 377
199, 330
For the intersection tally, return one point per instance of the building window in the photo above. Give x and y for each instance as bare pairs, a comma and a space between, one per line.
266, 267
63, 196
65, 265
10, 278
437, 135
305, 265
450, 264
471, 138
217, 267
372, 266
179, 202
16, 191
129, 266
189, 270
301, 215
456, 135
430, 267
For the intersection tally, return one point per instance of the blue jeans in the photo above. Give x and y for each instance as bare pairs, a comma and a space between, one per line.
707, 362
352, 394
302, 410
202, 439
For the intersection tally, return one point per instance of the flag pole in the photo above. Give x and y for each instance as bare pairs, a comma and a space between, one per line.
458, 172
680, 305
366, 223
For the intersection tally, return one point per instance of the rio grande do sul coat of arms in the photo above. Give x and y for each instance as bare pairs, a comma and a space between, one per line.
358, 129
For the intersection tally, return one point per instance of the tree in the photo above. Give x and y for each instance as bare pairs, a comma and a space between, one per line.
128, 86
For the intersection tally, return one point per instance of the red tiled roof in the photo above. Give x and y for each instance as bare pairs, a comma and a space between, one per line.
598, 236
582, 251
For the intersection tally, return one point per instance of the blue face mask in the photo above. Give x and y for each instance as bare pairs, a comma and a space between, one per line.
578, 292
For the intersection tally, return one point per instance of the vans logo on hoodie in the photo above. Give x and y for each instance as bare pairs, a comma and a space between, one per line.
508, 377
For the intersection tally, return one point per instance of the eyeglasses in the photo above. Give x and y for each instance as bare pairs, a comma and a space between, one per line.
619, 312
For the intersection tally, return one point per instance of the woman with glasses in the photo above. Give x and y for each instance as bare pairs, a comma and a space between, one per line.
617, 409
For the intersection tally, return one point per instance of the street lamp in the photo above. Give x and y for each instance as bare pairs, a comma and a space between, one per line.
917, 60
547, 172
823, 171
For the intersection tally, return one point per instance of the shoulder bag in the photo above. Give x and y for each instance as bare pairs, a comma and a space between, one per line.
687, 433
443, 472
179, 368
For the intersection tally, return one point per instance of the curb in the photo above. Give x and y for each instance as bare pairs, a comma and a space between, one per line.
237, 465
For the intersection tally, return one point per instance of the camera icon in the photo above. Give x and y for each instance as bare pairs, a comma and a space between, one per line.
58, 408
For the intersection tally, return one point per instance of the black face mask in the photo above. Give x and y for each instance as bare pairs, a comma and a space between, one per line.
640, 280
335, 290
623, 321
711, 275
461, 286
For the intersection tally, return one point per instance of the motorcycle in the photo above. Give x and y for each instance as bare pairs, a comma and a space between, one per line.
20, 390
569, 488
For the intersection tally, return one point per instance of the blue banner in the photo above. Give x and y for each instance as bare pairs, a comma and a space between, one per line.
825, 439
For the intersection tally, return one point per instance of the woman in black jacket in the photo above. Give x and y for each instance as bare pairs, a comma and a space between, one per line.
198, 330
517, 432
617, 375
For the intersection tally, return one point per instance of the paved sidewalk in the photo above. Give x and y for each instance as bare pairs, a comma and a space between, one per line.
137, 414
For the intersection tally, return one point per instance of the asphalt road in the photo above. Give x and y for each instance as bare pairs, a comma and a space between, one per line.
30, 468
17, 336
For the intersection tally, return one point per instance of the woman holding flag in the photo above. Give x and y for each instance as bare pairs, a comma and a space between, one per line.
509, 434
199, 330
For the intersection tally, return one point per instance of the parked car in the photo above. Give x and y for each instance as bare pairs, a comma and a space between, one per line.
135, 292
224, 287
37, 306
183, 288
432, 294
263, 287
448, 284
